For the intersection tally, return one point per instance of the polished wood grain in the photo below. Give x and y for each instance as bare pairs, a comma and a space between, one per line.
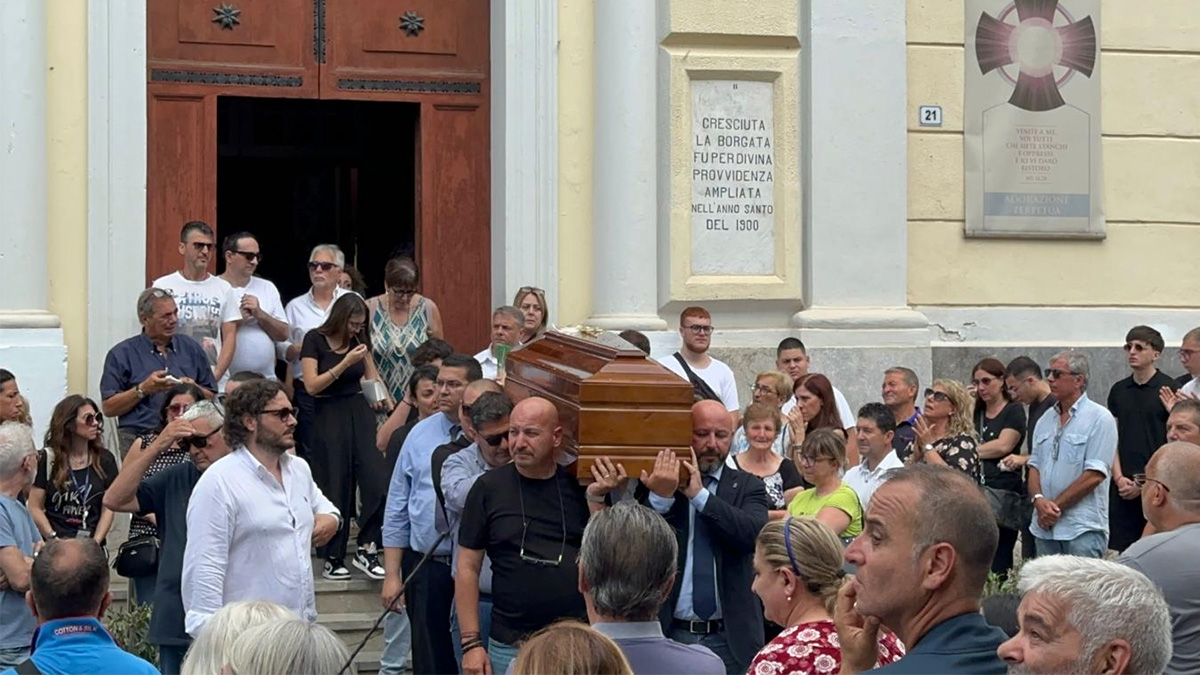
612, 401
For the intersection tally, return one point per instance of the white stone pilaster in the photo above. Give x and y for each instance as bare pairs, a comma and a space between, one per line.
625, 212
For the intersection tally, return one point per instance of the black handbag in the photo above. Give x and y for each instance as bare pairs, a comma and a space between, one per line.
1013, 510
138, 557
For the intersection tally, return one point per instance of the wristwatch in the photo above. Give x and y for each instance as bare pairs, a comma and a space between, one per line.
138, 390
1037, 497
929, 447
602, 499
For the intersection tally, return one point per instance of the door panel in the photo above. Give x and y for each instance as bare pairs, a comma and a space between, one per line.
453, 237
181, 172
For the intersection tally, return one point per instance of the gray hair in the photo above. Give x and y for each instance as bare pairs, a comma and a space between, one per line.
1077, 363
491, 406
511, 312
910, 375
628, 559
210, 652
285, 646
205, 410
16, 442
147, 298
1106, 601
339, 258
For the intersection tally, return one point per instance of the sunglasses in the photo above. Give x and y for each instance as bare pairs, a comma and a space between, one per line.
983, 381
1055, 373
495, 440
529, 289
282, 413
202, 246
91, 419
323, 266
198, 441
250, 256
939, 396
1135, 347
178, 408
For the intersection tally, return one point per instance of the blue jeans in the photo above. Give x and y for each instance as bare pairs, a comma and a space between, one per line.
501, 656
715, 642
170, 658
397, 642
1091, 544
143, 589
11, 657
485, 626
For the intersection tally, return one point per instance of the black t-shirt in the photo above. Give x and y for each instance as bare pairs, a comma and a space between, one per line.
166, 494
1011, 417
784, 479
83, 495
1141, 420
1035, 413
527, 596
316, 346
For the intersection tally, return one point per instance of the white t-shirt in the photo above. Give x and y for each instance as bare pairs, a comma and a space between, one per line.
255, 349
849, 419
201, 305
865, 482
1192, 388
718, 376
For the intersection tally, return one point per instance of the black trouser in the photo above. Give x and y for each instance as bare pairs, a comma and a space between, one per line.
344, 458
430, 595
304, 419
1003, 561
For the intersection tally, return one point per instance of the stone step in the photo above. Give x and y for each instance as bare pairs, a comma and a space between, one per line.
352, 627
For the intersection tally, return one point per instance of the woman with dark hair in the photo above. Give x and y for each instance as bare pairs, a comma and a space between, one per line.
352, 280
12, 404
816, 408
532, 303
336, 358
1000, 423
73, 473
166, 436
401, 319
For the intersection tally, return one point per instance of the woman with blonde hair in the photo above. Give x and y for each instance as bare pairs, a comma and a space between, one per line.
286, 646
762, 425
532, 303
570, 648
772, 388
831, 501
210, 652
797, 574
945, 433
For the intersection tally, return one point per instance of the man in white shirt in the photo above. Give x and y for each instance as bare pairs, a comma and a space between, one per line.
695, 327
876, 426
254, 318
1189, 356
506, 330
254, 514
199, 296
792, 357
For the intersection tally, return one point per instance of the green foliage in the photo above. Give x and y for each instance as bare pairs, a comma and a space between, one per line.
129, 626
995, 585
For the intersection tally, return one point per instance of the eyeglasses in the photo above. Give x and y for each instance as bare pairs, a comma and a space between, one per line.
1135, 347
699, 329
323, 266
1055, 373
250, 256
810, 460
533, 560
178, 408
202, 246
939, 396
494, 440
282, 413
1186, 354
198, 441
403, 292
983, 381
762, 389
91, 419
1140, 479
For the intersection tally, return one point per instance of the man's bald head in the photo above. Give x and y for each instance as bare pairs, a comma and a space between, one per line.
534, 436
471, 393
538, 410
70, 578
1178, 465
709, 412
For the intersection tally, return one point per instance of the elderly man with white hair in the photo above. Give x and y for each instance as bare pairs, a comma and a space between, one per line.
19, 539
1084, 615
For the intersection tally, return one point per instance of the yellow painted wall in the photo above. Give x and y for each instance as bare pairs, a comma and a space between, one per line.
576, 114
1150, 70
66, 138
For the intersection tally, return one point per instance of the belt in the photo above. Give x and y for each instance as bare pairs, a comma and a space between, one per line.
699, 627
443, 559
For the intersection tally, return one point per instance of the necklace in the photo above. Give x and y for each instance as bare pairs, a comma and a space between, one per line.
562, 512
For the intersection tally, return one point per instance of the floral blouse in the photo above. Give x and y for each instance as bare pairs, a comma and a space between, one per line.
960, 452
813, 647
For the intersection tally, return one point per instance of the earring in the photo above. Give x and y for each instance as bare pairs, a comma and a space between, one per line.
789, 598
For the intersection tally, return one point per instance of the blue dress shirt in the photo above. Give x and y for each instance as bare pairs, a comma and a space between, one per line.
684, 609
409, 519
132, 360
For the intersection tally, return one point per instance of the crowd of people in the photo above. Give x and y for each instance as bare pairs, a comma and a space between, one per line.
797, 536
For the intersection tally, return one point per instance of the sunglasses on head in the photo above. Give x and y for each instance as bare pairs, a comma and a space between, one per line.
250, 256
323, 266
939, 396
198, 441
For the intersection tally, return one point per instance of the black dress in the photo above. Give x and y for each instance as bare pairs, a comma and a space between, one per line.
343, 454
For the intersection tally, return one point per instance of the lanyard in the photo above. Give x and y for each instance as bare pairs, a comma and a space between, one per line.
82, 493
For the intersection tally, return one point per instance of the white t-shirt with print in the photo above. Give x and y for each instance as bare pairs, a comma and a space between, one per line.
255, 349
718, 376
201, 307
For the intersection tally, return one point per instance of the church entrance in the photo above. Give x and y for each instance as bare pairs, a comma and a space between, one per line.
309, 121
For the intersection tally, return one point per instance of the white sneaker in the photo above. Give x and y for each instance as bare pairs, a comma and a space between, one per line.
368, 561
335, 570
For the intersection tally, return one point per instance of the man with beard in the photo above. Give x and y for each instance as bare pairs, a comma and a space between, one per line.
716, 513
165, 496
254, 515
19, 539
926, 548
1082, 615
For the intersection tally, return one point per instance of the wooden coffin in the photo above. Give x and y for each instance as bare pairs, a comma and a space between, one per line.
612, 400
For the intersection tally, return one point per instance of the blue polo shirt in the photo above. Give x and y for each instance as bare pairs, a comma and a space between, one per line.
81, 646
964, 644
131, 361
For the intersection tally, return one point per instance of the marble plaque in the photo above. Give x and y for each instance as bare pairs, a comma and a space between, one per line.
733, 178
